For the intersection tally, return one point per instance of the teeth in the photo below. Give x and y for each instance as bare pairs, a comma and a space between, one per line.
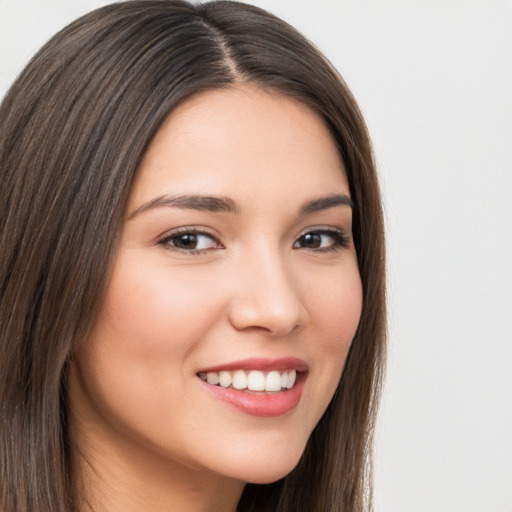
225, 379
239, 380
273, 381
291, 379
253, 381
212, 378
256, 381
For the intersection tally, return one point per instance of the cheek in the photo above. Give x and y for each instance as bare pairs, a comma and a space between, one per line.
135, 367
157, 312
334, 305
335, 308
138, 351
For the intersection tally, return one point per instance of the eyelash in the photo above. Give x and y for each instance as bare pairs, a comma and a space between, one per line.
166, 241
339, 238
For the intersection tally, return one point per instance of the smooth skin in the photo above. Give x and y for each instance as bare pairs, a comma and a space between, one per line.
200, 283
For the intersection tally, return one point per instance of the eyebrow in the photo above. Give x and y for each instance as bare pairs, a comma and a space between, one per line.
227, 205
324, 203
191, 202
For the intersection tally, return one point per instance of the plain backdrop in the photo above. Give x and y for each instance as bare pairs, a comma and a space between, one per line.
434, 80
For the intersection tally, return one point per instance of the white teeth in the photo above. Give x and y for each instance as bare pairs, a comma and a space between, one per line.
212, 378
225, 379
255, 380
291, 379
239, 380
273, 381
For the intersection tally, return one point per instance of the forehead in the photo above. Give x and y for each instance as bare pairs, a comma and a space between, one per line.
241, 141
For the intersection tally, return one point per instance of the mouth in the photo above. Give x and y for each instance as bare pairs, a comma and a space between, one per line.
253, 380
258, 387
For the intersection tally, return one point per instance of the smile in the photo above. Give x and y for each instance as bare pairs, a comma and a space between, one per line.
253, 380
257, 386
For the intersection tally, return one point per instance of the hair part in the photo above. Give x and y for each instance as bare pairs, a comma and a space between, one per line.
73, 129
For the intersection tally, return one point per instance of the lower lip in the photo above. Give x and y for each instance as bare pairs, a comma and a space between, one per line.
260, 404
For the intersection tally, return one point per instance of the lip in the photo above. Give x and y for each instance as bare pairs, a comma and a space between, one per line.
262, 364
260, 404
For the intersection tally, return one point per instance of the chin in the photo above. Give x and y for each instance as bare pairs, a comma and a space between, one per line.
265, 471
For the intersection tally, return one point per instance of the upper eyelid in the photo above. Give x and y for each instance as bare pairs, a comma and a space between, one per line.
187, 229
323, 229
207, 231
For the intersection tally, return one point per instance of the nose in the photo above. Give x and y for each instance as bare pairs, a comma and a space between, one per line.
267, 298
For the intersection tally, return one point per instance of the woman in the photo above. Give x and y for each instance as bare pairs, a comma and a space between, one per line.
192, 269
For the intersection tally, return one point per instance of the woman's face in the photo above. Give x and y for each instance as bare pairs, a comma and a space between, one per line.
236, 263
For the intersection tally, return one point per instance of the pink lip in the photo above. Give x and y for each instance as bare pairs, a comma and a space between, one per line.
259, 403
262, 364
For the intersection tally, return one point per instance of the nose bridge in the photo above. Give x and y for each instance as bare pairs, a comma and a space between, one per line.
266, 295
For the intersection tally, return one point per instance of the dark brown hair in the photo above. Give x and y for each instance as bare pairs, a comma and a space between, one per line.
73, 129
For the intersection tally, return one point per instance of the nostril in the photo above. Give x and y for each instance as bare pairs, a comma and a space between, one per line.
276, 318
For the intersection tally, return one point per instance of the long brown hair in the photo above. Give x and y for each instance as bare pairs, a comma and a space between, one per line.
73, 129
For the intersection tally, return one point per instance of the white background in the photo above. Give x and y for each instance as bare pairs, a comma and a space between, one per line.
434, 80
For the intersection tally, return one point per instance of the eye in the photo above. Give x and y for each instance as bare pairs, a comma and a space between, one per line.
322, 240
190, 240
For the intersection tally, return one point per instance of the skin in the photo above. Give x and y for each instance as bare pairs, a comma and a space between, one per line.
147, 434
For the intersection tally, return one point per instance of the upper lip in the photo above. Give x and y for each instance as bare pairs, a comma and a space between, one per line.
260, 363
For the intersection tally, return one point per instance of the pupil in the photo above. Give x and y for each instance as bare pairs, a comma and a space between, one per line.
312, 240
188, 241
